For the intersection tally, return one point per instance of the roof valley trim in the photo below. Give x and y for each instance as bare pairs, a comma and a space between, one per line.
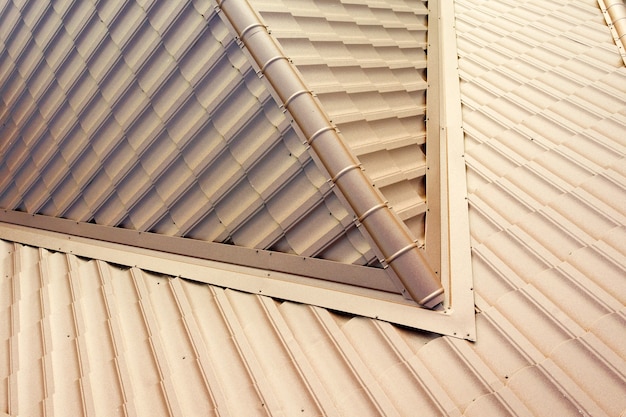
331, 271
447, 221
397, 249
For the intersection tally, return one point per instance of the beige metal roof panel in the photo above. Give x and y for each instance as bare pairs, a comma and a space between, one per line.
177, 348
366, 63
161, 118
544, 127
547, 226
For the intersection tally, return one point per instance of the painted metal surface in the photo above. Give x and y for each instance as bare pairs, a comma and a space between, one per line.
543, 113
337, 294
149, 117
614, 12
366, 63
136, 130
392, 240
120, 341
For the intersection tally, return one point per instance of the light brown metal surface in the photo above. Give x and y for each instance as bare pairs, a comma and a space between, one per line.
366, 63
614, 12
390, 237
543, 114
138, 129
543, 93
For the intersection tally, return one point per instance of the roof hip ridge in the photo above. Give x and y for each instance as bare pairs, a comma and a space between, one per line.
391, 238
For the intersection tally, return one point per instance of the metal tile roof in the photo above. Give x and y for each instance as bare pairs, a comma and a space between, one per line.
152, 119
543, 114
138, 343
367, 66
163, 119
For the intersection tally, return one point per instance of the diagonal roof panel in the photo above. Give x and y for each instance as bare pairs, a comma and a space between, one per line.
367, 66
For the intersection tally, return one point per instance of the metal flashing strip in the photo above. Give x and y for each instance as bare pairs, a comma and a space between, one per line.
360, 276
614, 12
360, 301
412, 273
448, 190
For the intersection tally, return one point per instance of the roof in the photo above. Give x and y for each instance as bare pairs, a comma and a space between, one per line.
190, 121
542, 87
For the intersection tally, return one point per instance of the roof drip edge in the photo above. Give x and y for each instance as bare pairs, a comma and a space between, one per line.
385, 306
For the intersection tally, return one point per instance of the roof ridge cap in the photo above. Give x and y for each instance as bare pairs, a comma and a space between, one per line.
389, 235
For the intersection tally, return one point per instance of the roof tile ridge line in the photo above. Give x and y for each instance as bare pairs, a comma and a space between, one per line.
391, 237
614, 12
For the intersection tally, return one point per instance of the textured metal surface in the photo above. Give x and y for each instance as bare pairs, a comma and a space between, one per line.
100, 339
392, 240
544, 113
149, 117
348, 291
543, 93
614, 12
366, 63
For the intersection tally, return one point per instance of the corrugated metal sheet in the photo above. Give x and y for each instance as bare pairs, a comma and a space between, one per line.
544, 116
84, 337
150, 117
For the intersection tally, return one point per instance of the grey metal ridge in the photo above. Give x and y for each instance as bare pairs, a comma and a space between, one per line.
614, 12
400, 253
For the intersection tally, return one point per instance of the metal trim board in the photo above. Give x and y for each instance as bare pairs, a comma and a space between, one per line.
360, 301
368, 277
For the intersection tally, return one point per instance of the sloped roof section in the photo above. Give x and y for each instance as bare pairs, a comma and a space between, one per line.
367, 65
89, 338
543, 91
164, 119
546, 190
151, 118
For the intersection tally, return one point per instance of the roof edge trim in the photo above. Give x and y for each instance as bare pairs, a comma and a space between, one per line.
446, 138
410, 270
385, 306
361, 276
